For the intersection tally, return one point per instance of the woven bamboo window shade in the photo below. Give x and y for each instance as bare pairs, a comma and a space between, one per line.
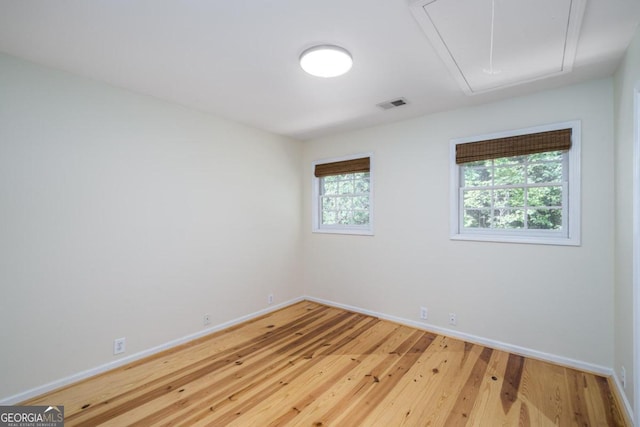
555, 140
346, 166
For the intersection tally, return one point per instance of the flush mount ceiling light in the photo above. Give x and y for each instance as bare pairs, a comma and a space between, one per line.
326, 61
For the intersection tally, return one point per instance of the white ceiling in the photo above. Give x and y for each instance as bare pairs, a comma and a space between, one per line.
239, 59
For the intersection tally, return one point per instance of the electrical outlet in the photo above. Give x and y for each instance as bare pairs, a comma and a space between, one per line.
424, 313
453, 319
206, 320
270, 299
119, 345
623, 377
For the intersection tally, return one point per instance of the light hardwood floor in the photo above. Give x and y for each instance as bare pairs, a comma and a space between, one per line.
313, 365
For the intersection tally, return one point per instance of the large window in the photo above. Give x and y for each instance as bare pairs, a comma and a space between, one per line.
342, 195
519, 186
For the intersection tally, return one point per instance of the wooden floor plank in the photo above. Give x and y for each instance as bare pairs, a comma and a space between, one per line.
307, 404
441, 370
286, 379
292, 403
313, 365
489, 404
545, 392
372, 388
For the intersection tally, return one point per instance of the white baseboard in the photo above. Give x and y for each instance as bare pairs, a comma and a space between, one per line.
498, 345
622, 397
12, 400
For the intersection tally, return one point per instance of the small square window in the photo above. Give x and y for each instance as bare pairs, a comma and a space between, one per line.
342, 195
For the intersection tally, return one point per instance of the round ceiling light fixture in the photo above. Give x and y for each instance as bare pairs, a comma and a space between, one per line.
326, 61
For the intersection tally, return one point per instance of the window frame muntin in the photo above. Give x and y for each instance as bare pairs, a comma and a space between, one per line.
571, 209
316, 214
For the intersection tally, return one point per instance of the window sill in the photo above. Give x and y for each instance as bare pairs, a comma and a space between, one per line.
353, 231
501, 238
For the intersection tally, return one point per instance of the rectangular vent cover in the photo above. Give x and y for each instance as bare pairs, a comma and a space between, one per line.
387, 105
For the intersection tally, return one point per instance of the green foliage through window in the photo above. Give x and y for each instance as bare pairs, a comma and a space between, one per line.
344, 199
514, 193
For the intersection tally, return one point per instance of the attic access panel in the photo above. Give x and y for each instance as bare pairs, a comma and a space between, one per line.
532, 39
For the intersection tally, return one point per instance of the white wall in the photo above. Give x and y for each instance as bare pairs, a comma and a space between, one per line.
121, 215
553, 299
627, 76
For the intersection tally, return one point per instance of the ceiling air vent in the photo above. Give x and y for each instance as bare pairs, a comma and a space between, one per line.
387, 105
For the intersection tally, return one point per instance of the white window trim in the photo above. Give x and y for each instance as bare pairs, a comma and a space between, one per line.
315, 206
574, 204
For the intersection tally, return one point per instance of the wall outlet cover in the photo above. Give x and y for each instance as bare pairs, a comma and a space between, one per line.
119, 345
453, 319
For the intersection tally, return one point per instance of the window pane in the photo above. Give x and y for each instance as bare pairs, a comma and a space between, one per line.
476, 177
328, 203
485, 163
545, 219
362, 186
508, 219
508, 175
328, 186
510, 160
329, 217
344, 217
477, 198
545, 196
477, 218
545, 172
361, 217
345, 187
512, 197
344, 203
361, 202
548, 156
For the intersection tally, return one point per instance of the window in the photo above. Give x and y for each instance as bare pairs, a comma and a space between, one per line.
342, 195
518, 186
